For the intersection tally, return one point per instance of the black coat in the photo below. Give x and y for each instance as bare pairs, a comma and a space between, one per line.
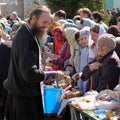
24, 75
5, 49
108, 74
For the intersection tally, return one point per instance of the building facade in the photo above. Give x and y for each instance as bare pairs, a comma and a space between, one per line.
25, 6
112, 4
22, 7
7, 6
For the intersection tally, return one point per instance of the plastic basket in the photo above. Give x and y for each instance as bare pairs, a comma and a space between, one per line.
52, 100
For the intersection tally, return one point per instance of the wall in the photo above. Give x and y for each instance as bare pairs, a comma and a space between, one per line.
22, 7
109, 4
28, 6
116, 3
112, 4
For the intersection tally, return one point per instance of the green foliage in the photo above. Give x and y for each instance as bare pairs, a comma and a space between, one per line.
106, 17
71, 6
36, 3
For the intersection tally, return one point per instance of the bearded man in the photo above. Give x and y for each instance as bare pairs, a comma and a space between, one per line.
24, 100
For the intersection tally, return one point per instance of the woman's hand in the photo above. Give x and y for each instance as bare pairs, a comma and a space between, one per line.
95, 66
48, 68
46, 49
48, 62
76, 76
50, 44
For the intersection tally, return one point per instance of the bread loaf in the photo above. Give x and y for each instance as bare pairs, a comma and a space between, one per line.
72, 94
117, 109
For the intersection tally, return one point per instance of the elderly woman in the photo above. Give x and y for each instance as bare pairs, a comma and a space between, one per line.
105, 70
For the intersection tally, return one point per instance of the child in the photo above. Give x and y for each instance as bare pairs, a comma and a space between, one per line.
69, 68
83, 38
69, 71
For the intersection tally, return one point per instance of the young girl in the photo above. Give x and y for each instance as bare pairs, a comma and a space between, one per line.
83, 38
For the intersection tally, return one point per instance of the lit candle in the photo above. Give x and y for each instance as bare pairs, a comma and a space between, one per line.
90, 83
107, 89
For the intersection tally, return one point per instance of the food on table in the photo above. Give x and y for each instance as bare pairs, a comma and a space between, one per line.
106, 100
67, 78
92, 92
107, 96
117, 109
65, 82
109, 114
72, 94
68, 88
85, 100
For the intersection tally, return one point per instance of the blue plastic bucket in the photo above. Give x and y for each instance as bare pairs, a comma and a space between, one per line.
52, 100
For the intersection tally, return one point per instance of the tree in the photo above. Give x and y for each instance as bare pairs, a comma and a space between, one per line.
36, 3
20, 8
71, 6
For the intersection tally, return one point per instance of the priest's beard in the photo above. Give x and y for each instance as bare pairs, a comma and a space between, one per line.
40, 34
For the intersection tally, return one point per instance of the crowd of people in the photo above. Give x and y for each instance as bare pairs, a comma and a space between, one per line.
46, 46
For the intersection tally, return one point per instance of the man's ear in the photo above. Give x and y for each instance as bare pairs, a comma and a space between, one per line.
34, 18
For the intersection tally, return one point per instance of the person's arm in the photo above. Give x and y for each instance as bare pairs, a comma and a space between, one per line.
52, 55
89, 69
62, 59
86, 73
32, 73
108, 75
57, 75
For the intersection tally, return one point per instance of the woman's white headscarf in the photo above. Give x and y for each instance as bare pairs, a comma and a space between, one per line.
91, 53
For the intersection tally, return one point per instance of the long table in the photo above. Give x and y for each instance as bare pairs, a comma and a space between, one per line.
88, 113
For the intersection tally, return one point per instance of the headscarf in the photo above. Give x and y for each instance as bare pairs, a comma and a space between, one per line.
53, 25
87, 22
109, 40
85, 31
70, 36
58, 39
93, 47
101, 31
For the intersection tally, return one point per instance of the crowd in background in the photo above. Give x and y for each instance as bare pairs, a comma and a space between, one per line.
84, 44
